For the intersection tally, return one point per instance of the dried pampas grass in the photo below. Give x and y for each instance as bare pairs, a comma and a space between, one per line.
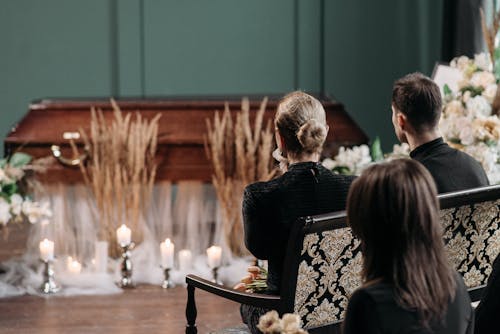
240, 153
121, 170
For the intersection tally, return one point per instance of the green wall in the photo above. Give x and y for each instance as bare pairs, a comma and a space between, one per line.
353, 50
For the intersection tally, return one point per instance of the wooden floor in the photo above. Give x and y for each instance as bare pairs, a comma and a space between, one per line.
145, 309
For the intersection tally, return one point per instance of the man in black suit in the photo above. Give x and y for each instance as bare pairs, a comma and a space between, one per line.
416, 109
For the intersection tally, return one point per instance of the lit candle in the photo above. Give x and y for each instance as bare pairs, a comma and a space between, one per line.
214, 256
184, 259
167, 254
123, 235
75, 267
47, 250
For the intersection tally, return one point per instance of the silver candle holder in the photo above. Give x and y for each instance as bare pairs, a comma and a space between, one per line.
126, 267
49, 284
167, 282
215, 275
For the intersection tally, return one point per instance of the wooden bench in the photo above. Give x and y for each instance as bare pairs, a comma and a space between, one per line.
324, 262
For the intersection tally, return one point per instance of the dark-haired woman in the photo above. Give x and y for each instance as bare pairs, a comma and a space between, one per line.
409, 286
306, 188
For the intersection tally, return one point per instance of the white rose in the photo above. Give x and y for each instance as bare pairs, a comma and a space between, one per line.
16, 202
5, 214
466, 135
482, 79
486, 155
291, 323
329, 163
270, 323
461, 63
482, 61
478, 106
490, 92
14, 173
466, 96
31, 210
455, 107
403, 149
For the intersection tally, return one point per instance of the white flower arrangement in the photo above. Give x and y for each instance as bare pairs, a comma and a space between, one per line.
352, 161
13, 205
467, 122
270, 323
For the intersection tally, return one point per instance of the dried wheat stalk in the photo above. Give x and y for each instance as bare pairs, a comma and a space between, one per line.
239, 155
121, 170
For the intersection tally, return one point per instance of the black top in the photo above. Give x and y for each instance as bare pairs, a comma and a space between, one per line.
373, 309
451, 169
489, 309
270, 208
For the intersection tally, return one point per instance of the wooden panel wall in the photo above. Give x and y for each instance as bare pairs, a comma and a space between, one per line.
351, 49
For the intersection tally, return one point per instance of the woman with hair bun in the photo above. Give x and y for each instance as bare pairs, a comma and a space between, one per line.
409, 286
306, 188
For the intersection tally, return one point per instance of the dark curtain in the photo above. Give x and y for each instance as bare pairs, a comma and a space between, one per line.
462, 34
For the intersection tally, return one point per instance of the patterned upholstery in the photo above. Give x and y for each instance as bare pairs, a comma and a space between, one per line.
472, 239
330, 262
329, 272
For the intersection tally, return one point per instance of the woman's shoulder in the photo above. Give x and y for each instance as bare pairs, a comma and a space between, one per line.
263, 188
377, 292
334, 176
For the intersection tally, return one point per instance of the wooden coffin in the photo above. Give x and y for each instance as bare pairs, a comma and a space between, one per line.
181, 154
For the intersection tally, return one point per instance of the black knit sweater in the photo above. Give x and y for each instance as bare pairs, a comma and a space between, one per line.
270, 208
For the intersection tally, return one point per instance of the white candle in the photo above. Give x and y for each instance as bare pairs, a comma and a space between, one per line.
123, 235
184, 259
214, 256
47, 250
167, 254
101, 256
75, 267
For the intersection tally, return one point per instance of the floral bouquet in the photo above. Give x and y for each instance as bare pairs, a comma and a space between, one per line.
14, 205
467, 122
255, 281
289, 324
352, 161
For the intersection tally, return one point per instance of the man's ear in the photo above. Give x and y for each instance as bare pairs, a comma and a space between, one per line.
402, 121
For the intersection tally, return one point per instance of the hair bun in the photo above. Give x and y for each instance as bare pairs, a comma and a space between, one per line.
312, 135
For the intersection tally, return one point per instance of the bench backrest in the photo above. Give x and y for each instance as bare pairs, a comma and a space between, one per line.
324, 263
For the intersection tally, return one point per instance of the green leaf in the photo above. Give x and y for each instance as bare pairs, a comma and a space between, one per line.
491, 143
5, 197
9, 189
19, 159
342, 170
3, 162
474, 91
446, 90
376, 150
497, 63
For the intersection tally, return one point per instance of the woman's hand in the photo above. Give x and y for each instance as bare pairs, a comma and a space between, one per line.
254, 273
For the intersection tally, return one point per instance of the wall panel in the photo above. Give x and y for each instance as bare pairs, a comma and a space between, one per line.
220, 46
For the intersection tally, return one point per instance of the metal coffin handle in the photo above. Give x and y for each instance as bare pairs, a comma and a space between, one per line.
56, 152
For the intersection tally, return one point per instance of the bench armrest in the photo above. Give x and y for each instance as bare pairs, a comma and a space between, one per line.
254, 299
476, 293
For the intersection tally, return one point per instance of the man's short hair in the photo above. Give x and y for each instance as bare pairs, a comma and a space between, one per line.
419, 99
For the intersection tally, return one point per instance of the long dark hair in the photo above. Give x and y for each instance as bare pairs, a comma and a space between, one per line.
393, 209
